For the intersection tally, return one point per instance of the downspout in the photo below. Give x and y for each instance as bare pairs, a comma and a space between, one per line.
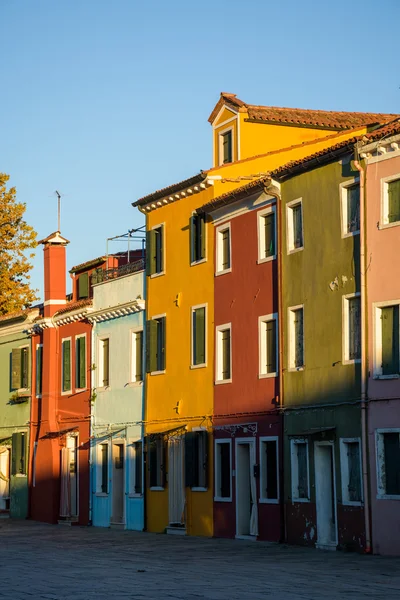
91, 432
273, 189
364, 343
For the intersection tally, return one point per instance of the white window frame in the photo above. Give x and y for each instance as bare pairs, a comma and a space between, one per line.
36, 369
217, 477
132, 356
263, 499
291, 340
66, 392
218, 353
380, 467
99, 468
289, 225
218, 263
100, 352
81, 335
344, 472
384, 218
294, 469
192, 309
262, 345
164, 270
343, 187
377, 338
345, 329
261, 234
221, 145
132, 468
193, 263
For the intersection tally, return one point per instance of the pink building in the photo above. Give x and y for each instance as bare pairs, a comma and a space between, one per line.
382, 164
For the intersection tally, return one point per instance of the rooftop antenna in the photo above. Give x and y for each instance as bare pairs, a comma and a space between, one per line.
59, 211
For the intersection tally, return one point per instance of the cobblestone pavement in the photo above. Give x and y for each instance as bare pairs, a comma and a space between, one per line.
72, 563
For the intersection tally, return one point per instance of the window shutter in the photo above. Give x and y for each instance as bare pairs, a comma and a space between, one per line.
298, 331
164, 449
271, 346
394, 201
199, 336
39, 369
353, 208
82, 362
25, 378
139, 355
66, 358
153, 462
104, 468
16, 368
392, 462
389, 339
227, 146
202, 235
354, 328
226, 249
159, 249
138, 467
354, 485
226, 354
106, 362
193, 238
269, 229
225, 471
150, 252
203, 439
18, 454
162, 337
302, 470
271, 448
83, 286
190, 466
298, 226
151, 345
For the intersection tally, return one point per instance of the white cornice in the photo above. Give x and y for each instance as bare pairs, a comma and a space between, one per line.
381, 147
113, 312
187, 192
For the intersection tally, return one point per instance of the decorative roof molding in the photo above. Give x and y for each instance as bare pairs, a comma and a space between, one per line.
185, 190
382, 146
113, 312
240, 427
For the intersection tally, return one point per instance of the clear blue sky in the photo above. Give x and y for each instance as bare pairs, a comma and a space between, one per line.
108, 101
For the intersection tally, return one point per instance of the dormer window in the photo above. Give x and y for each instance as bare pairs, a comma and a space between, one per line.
225, 147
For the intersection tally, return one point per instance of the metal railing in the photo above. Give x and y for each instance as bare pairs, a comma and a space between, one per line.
107, 274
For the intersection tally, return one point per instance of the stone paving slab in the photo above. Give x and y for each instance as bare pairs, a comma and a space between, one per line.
50, 562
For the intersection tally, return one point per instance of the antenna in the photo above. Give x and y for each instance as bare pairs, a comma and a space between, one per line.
59, 210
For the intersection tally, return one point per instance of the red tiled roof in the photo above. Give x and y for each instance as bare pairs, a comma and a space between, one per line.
15, 315
89, 263
74, 306
328, 119
171, 189
391, 128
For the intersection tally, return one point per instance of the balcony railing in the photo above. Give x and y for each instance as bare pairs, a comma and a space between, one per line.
107, 274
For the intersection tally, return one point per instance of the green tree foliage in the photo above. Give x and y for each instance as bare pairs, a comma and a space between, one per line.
16, 239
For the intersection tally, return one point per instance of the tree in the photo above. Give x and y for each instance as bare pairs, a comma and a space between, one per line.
16, 238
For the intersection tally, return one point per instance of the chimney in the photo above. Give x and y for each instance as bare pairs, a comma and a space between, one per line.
54, 273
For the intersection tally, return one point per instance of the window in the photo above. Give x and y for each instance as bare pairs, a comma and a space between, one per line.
197, 238
350, 198
155, 250
269, 470
80, 362
66, 365
224, 353
102, 469
387, 334
296, 337
352, 328
198, 336
137, 356
391, 200
155, 344
196, 459
157, 451
136, 469
223, 249
294, 215
350, 461
266, 235
83, 286
223, 471
225, 147
39, 369
104, 362
20, 368
388, 463
300, 471
18, 453
268, 346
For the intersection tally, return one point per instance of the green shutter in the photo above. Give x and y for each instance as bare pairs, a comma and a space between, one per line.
390, 340
151, 345
202, 235
298, 226
16, 369
18, 453
39, 369
139, 356
299, 337
191, 468
153, 462
269, 228
25, 364
150, 252
203, 442
271, 346
193, 237
161, 350
394, 201
353, 208
106, 362
226, 353
66, 362
199, 336
227, 146
82, 362
83, 286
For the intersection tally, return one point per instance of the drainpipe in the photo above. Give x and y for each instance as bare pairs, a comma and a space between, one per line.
364, 342
272, 189
91, 432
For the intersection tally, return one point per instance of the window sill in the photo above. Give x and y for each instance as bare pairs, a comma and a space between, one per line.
388, 225
157, 488
302, 500
269, 501
260, 261
133, 384
387, 497
350, 503
224, 272
218, 499
106, 388
199, 489
296, 369
154, 275
267, 375
67, 393
20, 475
198, 262
350, 234
101, 494
80, 390
394, 376
294, 250
157, 372
352, 361
222, 381
202, 366
135, 495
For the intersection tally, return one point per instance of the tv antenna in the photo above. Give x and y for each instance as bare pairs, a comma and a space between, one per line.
58, 210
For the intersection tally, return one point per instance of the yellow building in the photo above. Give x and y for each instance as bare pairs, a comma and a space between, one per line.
248, 142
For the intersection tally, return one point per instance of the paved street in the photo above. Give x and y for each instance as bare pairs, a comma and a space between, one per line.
72, 563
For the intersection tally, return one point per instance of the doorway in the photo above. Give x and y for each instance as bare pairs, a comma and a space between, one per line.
325, 493
176, 490
4, 479
246, 491
118, 487
69, 478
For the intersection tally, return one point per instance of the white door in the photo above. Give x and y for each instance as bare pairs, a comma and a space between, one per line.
176, 490
246, 491
4, 478
325, 492
118, 487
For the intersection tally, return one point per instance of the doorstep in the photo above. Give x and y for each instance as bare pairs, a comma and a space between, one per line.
68, 521
117, 525
176, 530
